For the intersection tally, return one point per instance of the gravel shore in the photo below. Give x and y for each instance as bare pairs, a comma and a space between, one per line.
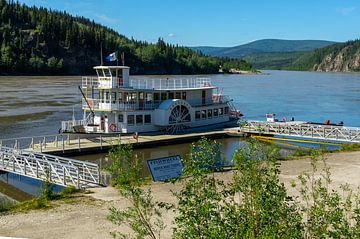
85, 216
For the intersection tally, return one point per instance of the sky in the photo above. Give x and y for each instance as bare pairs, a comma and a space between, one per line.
219, 23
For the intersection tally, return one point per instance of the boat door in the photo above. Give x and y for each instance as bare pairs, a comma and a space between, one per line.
102, 123
106, 122
141, 100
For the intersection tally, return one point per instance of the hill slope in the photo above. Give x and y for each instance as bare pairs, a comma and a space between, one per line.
40, 41
265, 45
341, 57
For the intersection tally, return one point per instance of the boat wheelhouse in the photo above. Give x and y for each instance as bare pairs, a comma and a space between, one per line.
114, 103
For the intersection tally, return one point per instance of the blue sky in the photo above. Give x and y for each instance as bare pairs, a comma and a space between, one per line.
219, 22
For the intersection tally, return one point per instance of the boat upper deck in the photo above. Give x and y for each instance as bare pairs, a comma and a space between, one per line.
148, 84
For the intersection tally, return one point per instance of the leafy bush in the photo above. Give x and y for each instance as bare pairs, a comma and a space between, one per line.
143, 216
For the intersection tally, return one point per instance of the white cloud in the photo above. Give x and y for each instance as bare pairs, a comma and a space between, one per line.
346, 10
106, 18
171, 35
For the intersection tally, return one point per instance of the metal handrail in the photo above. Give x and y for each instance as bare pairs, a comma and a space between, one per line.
58, 170
330, 132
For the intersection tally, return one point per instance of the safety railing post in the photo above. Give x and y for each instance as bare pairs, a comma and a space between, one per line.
63, 144
40, 146
56, 141
64, 176
78, 178
79, 148
44, 142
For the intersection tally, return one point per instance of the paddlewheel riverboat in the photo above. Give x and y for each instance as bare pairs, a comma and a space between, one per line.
114, 103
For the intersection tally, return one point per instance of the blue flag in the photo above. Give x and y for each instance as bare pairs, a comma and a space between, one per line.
112, 57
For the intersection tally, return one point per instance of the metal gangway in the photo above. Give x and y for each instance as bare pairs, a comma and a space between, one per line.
303, 129
57, 170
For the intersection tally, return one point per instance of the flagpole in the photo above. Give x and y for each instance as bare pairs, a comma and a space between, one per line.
117, 58
101, 55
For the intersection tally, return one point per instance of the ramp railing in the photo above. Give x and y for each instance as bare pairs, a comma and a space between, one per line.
57, 170
326, 132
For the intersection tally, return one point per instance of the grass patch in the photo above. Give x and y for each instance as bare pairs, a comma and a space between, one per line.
43, 201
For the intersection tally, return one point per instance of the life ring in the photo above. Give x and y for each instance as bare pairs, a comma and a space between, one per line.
112, 127
135, 135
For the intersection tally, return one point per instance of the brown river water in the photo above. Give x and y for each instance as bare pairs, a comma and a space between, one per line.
36, 105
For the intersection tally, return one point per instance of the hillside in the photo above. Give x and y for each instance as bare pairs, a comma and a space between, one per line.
272, 60
341, 57
267, 53
265, 45
40, 41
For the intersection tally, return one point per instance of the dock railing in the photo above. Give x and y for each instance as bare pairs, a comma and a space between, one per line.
60, 142
57, 170
325, 132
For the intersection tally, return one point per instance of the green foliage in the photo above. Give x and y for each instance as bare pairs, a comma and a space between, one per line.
5, 205
253, 205
312, 59
42, 201
233, 64
328, 213
42, 41
272, 60
143, 216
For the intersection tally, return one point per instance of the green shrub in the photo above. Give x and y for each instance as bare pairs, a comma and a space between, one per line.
143, 216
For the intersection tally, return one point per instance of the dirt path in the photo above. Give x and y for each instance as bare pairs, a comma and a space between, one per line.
87, 217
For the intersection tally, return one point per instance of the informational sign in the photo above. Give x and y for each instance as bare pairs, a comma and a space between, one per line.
166, 168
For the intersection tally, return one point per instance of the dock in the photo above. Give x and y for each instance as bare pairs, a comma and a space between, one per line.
81, 144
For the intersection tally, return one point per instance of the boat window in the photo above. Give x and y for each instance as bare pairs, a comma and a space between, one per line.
183, 95
107, 96
203, 114
120, 96
221, 111
132, 97
226, 110
216, 112
147, 119
121, 118
210, 114
125, 98
149, 97
156, 96
141, 95
113, 97
107, 73
130, 120
164, 96
171, 95
139, 119
178, 95
197, 115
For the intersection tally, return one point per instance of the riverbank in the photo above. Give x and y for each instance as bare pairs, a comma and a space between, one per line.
84, 216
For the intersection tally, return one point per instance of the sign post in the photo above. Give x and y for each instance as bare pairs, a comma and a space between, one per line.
166, 168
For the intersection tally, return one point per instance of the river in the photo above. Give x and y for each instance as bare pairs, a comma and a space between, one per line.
36, 105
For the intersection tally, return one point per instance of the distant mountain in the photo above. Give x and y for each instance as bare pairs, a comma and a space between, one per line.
341, 57
265, 45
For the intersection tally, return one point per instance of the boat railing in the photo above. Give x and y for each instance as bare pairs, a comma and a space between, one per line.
67, 126
143, 104
88, 81
170, 84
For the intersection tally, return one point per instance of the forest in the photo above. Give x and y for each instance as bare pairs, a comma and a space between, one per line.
46, 42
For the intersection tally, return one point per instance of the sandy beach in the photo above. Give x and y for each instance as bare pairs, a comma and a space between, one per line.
85, 216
